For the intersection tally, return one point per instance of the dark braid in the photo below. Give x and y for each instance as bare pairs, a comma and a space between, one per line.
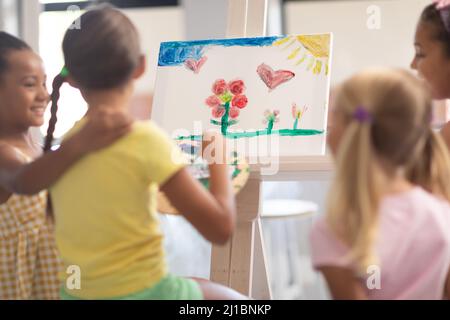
56, 85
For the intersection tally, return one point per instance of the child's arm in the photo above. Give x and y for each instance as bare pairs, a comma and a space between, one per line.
18, 176
212, 213
342, 284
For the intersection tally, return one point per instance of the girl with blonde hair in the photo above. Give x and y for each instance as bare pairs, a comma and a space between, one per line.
386, 234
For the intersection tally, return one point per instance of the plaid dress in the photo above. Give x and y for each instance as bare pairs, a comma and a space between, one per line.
29, 261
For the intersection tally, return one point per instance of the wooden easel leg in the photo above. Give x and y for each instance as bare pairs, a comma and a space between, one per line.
242, 246
232, 264
261, 282
220, 264
241, 270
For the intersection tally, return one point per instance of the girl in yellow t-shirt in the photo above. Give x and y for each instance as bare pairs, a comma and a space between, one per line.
105, 205
29, 261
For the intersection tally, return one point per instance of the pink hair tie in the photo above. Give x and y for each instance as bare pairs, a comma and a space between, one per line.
443, 6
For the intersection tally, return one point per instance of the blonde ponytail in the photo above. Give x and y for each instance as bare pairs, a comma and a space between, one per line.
355, 195
431, 169
397, 140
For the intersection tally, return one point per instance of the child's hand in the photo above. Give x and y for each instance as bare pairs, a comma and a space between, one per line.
102, 128
214, 148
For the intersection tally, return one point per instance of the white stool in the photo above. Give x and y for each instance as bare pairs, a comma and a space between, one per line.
282, 244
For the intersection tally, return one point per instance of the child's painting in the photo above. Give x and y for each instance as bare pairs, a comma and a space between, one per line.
253, 90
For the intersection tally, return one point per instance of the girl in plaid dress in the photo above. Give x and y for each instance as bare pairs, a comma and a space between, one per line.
29, 261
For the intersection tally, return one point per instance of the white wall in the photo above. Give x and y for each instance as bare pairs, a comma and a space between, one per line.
205, 19
29, 22
20, 18
355, 45
9, 20
274, 17
156, 25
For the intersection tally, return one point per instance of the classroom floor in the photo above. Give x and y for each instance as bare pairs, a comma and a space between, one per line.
290, 271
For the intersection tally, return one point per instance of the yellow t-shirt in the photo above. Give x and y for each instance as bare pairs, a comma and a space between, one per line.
105, 211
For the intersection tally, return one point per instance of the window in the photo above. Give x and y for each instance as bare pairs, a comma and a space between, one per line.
53, 23
72, 107
50, 5
45, 2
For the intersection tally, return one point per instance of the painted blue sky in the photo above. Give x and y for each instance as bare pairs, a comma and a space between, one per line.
177, 52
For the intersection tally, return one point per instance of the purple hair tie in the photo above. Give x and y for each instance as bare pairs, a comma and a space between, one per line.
362, 115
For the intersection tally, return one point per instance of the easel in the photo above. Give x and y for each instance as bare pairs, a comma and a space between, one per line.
241, 263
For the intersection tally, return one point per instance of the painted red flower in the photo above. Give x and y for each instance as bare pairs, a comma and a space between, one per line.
219, 87
236, 86
213, 101
218, 111
239, 101
234, 112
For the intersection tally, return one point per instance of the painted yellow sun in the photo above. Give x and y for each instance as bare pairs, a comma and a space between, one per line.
312, 49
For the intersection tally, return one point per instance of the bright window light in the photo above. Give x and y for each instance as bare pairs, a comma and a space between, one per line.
72, 107
60, 1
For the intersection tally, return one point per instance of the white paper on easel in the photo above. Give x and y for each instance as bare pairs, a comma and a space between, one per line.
283, 100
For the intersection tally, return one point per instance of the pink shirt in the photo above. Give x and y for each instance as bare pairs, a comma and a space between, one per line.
413, 247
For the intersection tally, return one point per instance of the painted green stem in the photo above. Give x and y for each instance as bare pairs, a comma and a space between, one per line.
219, 123
270, 127
295, 123
224, 125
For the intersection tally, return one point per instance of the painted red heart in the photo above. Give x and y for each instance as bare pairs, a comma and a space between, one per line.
195, 65
271, 78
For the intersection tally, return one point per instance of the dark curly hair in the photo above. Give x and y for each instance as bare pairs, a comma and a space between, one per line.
9, 43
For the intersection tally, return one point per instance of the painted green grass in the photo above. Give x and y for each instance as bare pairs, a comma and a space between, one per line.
264, 132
